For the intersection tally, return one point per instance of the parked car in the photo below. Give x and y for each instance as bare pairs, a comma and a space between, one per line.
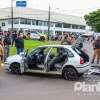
43, 37
75, 63
34, 36
38, 36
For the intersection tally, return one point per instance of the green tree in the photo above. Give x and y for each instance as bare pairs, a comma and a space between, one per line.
93, 20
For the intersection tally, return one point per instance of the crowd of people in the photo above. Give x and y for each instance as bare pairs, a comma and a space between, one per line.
9, 39
78, 42
74, 40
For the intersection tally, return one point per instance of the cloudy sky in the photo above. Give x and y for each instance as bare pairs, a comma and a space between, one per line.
72, 7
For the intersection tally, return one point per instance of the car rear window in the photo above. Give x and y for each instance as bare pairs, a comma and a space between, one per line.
82, 54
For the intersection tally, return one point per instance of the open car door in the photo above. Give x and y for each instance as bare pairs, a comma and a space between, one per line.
55, 59
36, 58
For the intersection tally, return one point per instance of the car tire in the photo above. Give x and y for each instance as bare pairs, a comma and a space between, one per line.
69, 73
15, 68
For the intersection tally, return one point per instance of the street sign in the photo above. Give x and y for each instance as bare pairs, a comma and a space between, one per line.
21, 3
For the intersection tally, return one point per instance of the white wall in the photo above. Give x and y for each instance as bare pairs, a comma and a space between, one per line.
40, 27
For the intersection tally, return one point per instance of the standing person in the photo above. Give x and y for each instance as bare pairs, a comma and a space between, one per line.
79, 42
7, 43
19, 43
1, 52
14, 36
66, 40
96, 46
73, 39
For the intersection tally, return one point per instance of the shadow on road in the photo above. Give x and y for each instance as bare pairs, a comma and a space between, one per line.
38, 75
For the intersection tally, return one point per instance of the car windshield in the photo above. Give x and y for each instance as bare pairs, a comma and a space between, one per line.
33, 51
36, 50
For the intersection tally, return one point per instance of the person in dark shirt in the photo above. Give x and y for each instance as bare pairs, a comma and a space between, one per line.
14, 36
19, 44
7, 43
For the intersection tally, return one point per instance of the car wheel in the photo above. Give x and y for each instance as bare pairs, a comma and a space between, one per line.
69, 73
15, 68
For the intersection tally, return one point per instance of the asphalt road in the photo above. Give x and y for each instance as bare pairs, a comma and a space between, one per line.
32, 86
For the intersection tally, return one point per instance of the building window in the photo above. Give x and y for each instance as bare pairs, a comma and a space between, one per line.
28, 22
22, 21
45, 23
25, 21
16, 21
33, 22
36, 22
66, 25
40, 23
3, 24
81, 27
58, 25
51, 24
9, 21
74, 26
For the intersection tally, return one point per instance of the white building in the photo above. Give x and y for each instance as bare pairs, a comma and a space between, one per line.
34, 19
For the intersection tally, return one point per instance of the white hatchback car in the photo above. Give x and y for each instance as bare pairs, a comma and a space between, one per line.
66, 60
34, 36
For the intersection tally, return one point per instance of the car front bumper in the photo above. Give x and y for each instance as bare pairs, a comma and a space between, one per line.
6, 66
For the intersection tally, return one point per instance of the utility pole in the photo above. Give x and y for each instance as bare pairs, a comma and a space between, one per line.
12, 15
49, 23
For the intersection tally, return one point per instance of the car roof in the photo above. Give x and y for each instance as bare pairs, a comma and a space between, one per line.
57, 45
